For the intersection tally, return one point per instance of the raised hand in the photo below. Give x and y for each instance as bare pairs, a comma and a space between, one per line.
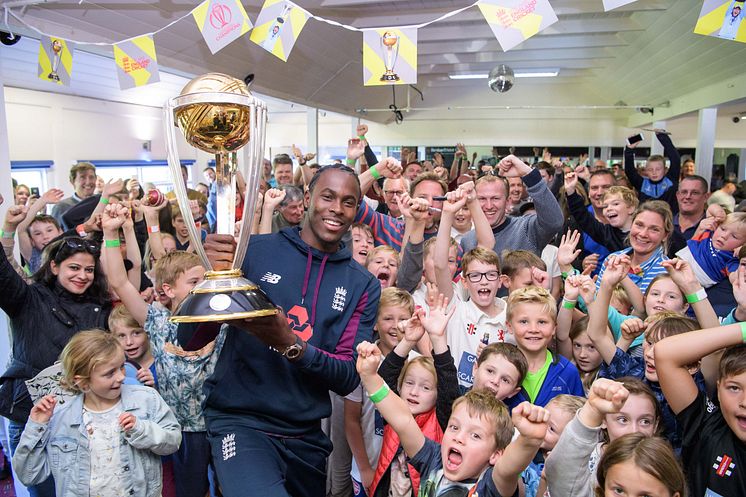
436, 321
368, 359
273, 198
582, 172
513, 167
587, 288
568, 251
682, 274
404, 201
539, 278
389, 168
42, 412
617, 268
572, 288
361, 130
419, 209
590, 263
738, 280
145, 376
633, 328
716, 212
52, 196
460, 150
14, 216
531, 421
127, 421
111, 187
355, 148
607, 396
469, 191
438, 159
546, 155
113, 217
412, 328
296, 152
571, 183
455, 200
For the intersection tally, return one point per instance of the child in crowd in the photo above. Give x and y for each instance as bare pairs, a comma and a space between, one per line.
532, 320
521, 268
363, 424
562, 409
616, 407
107, 440
419, 381
38, 229
181, 370
711, 251
636, 464
658, 183
135, 342
477, 455
383, 263
617, 363
362, 242
714, 443
500, 368
580, 350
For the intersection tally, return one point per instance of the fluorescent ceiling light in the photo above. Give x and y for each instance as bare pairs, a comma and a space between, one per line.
482, 75
518, 74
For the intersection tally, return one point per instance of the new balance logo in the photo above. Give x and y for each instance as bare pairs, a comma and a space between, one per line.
229, 446
271, 278
338, 301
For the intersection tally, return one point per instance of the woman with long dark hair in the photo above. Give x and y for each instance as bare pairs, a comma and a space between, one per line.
69, 294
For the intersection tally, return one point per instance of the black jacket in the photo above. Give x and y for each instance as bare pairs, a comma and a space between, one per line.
42, 321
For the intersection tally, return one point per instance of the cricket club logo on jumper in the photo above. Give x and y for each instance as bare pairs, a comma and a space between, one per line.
724, 465
471, 329
271, 278
229, 446
338, 301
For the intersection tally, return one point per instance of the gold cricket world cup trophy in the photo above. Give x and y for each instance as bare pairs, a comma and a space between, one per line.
390, 45
219, 115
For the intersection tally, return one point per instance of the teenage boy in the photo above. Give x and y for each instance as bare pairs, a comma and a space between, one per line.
532, 319
271, 385
476, 455
714, 445
180, 374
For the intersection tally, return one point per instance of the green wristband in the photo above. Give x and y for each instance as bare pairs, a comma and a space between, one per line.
112, 243
104, 201
379, 394
693, 298
565, 274
374, 172
568, 304
362, 137
7, 234
743, 331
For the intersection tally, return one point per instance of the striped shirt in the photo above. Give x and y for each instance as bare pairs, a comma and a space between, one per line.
647, 270
387, 230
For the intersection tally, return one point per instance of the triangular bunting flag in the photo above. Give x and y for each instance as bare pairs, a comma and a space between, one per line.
221, 22
55, 60
136, 62
278, 27
390, 56
722, 20
515, 21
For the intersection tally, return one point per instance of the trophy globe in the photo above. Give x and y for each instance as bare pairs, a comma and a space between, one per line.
217, 114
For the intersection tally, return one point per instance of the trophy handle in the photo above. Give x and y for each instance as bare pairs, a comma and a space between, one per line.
174, 165
253, 155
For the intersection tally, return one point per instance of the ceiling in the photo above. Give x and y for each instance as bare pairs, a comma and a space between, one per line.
642, 54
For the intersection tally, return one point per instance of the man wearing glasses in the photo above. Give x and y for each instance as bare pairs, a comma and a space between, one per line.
692, 198
393, 189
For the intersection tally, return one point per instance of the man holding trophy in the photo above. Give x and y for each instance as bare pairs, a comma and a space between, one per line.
271, 384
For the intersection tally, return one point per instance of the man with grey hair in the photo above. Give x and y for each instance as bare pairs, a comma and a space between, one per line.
283, 207
393, 189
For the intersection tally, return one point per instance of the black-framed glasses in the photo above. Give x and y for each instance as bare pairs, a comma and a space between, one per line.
77, 244
476, 277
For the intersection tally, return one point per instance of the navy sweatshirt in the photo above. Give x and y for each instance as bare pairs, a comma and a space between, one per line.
331, 302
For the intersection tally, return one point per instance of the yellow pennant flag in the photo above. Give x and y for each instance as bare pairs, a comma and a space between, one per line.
55, 60
136, 62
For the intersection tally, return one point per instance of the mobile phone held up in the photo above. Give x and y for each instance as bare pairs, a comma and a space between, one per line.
635, 139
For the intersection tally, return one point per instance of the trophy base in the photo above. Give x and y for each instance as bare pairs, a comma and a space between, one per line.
390, 76
224, 296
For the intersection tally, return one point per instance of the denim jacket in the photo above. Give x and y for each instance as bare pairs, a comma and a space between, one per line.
60, 447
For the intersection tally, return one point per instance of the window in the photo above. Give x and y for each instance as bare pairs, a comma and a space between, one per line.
155, 172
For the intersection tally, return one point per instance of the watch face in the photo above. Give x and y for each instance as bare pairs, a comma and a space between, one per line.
293, 351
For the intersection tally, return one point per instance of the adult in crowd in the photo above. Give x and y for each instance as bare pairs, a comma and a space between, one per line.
282, 208
652, 226
599, 181
69, 294
724, 196
531, 232
83, 179
209, 175
691, 198
21, 194
282, 166
271, 385
393, 190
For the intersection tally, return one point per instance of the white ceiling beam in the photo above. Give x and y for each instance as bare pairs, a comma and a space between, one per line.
530, 64
534, 43
518, 56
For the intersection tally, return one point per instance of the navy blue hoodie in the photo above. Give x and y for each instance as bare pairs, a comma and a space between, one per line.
331, 302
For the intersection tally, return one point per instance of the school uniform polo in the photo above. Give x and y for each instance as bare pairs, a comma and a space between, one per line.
467, 328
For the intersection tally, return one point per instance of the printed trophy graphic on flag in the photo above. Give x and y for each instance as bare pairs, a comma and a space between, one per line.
390, 43
57, 49
219, 115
